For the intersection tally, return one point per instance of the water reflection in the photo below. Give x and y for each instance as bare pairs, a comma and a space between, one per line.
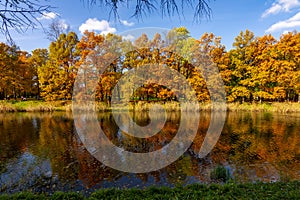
42, 152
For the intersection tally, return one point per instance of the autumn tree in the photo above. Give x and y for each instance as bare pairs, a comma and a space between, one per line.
16, 74
88, 62
6, 59
257, 69
208, 56
241, 58
37, 59
287, 66
57, 76
263, 81
24, 76
9, 79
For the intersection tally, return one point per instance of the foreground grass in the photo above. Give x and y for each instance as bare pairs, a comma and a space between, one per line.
42, 106
278, 190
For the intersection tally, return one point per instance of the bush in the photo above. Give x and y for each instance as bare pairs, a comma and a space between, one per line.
220, 174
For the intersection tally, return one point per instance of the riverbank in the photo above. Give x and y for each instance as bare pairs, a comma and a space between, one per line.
66, 106
278, 190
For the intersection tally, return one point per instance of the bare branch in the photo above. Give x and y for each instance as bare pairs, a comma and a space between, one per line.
20, 15
202, 9
167, 7
55, 29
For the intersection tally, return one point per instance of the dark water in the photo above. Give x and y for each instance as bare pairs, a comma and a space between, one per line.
42, 152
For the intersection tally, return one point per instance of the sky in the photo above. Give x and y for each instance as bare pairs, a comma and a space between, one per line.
228, 19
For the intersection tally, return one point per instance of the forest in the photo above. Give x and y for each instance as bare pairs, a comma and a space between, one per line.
256, 69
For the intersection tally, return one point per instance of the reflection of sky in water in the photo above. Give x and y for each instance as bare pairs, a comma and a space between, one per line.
24, 170
264, 172
34, 123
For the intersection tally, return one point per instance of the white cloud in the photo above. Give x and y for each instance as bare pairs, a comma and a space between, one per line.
281, 6
48, 15
295, 17
273, 10
289, 4
126, 23
96, 25
286, 25
63, 24
128, 37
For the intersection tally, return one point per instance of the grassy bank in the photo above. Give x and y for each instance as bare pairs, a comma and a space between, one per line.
278, 190
31, 106
42, 106
286, 107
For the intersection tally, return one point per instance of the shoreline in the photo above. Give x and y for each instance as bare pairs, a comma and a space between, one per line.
231, 190
66, 106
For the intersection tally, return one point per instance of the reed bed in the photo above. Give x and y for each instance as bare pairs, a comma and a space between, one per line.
141, 106
282, 107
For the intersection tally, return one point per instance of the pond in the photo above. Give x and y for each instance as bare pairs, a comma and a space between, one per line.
43, 152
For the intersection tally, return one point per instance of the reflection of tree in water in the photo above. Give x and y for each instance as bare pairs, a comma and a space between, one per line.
269, 143
142, 145
255, 146
18, 132
92, 172
56, 142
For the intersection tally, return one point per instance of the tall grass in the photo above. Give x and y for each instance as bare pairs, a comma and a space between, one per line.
233, 107
174, 106
32, 106
141, 106
284, 107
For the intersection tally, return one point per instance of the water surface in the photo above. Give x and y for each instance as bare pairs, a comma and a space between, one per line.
42, 152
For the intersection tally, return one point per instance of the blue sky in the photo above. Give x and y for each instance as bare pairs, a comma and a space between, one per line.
228, 19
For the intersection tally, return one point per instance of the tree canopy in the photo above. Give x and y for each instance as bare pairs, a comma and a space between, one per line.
258, 68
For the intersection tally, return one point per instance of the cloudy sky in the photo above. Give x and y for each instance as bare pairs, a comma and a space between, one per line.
229, 18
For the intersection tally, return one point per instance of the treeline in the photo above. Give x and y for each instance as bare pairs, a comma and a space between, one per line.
255, 69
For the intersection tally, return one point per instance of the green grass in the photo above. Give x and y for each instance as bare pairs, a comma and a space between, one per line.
229, 190
32, 106
42, 106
